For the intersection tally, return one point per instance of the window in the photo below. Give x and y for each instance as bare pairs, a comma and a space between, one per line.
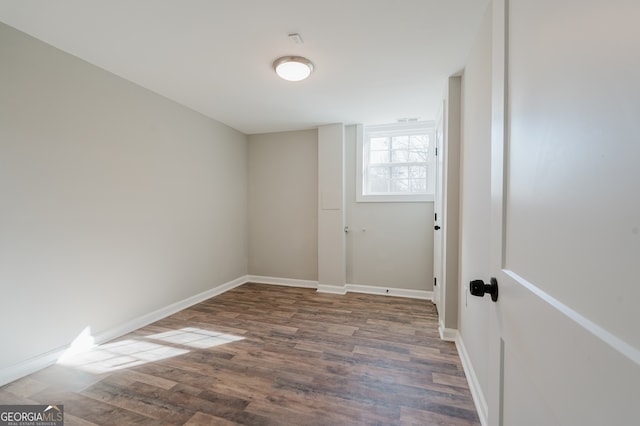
396, 162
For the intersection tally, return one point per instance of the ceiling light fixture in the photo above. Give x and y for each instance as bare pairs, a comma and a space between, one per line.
293, 68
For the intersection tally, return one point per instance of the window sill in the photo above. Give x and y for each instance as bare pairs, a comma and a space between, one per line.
394, 198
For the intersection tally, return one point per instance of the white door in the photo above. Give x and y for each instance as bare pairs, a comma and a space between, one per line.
438, 241
565, 345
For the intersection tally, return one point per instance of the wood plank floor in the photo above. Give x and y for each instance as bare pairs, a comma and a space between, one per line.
266, 355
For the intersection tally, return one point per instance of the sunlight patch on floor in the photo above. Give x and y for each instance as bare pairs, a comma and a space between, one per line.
195, 337
116, 356
98, 359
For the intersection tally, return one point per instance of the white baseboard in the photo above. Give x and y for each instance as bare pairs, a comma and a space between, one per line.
289, 282
347, 288
24, 368
447, 334
17, 371
386, 291
333, 289
380, 291
474, 384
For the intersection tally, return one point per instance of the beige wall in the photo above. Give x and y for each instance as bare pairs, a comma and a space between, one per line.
475, 198
395, 250
115, 201
283, 205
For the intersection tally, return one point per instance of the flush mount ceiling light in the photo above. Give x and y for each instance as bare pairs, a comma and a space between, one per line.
293, 68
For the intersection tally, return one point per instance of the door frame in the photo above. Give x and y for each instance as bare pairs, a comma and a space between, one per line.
438, 241
449, 158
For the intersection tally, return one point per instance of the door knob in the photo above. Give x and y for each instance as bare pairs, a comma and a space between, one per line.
437, 227
479, 288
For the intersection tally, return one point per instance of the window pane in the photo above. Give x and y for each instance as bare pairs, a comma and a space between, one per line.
398, 156
400, 142
418, 172
378, 179
418, 176
419, 185
400, 185
377, 157
419, 142
417, 156
379, 144
400, 172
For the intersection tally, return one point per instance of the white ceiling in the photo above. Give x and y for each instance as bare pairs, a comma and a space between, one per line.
376, 60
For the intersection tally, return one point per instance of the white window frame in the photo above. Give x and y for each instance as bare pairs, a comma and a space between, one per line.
361, 166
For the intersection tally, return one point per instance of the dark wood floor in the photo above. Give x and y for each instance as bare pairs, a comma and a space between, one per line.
267, 355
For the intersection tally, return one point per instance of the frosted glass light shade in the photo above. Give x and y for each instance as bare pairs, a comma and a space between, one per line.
293, 68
